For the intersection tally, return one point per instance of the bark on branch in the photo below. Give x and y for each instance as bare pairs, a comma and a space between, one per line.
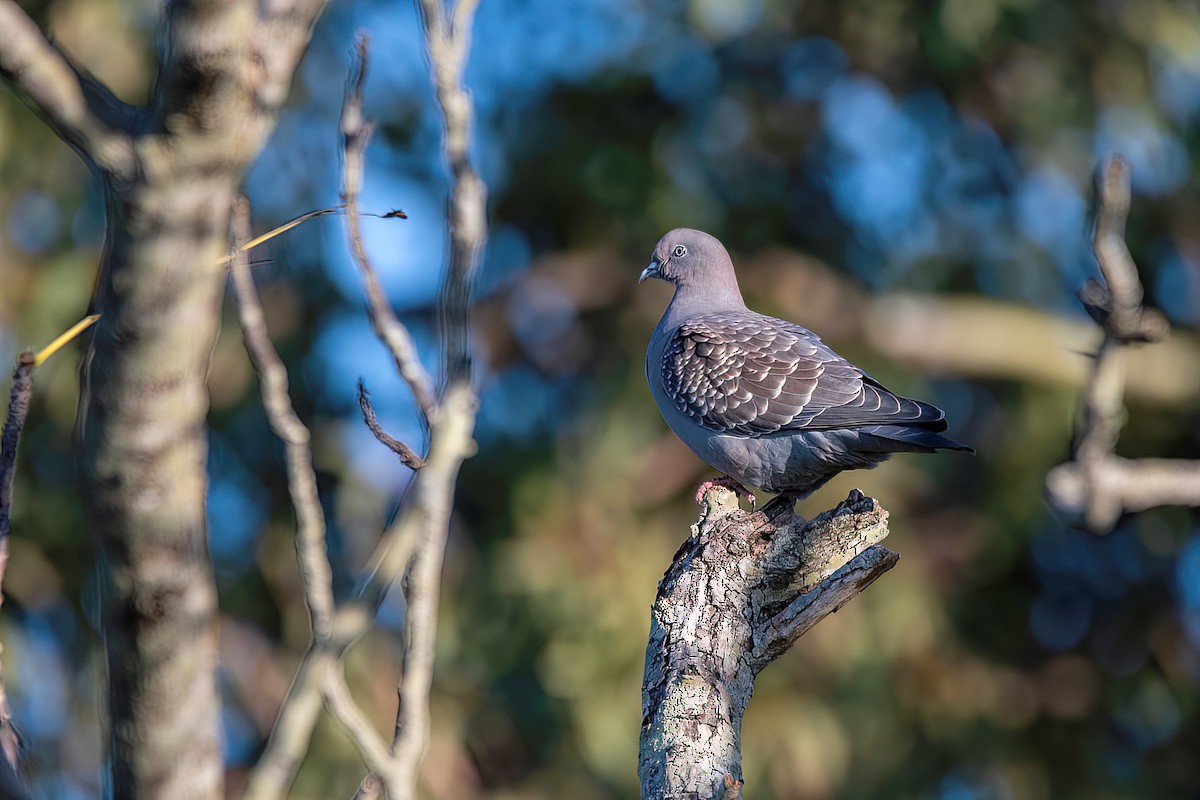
738, 594
416, 540
447, 42
82, 112
1096, 487
18, 412
170, 173
356, 133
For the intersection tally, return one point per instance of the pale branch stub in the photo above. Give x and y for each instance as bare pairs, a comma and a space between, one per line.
738, 594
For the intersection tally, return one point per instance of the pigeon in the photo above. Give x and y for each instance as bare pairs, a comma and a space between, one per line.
763, 400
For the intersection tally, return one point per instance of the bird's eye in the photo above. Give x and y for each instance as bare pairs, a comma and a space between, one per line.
680, 251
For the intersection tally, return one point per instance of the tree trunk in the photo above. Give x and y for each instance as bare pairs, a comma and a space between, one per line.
170, 172
142, 421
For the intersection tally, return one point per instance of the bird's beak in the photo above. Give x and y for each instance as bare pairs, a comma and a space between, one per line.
650, 272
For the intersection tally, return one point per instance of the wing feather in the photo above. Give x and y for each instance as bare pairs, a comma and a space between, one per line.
752, 375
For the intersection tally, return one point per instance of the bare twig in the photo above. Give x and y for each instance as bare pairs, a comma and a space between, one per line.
1118, 302
422, 590
356, 132
395, 213
418, 535
83, 115
292, 732
341, 705
406, 454
18, 413
740, 591
333, 631
447, 46
315, 571
1096, 486
422, 527
64, 339
450, 443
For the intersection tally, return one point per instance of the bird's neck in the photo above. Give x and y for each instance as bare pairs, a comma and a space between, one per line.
689, 301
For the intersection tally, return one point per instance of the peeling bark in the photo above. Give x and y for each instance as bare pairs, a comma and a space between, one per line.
737, 595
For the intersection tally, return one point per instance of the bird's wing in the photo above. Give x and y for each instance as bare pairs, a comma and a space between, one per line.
752, 375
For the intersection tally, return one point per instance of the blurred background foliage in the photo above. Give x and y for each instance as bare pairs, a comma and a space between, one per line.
911, 180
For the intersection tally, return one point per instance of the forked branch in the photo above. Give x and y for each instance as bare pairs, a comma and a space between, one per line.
82, 112
738, 594
416, 540
1096, 487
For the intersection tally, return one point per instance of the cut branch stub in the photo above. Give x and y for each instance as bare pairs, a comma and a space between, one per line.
737, 595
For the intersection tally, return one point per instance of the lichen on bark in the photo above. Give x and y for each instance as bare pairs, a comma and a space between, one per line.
739, 592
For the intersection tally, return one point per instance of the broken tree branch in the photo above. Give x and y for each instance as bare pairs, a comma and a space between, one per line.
356, 132
11, 785
18, 412
738, 594
1095, 486
407, 456
14, 424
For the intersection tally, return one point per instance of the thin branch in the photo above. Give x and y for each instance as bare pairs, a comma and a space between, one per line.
341, 706
1096, 486
11, 785
356, 132
292, 732
418, 536
467, 217
450, 443
64, 338
81, 113
14, 424
407, 456
1121, 294
18, 412
447, 47
849, 581
395, 213
422, 591
315, 571
421, 528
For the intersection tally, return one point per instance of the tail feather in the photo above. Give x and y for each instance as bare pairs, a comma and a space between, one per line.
918, 439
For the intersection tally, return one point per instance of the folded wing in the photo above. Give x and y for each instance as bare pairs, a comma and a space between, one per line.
751, 375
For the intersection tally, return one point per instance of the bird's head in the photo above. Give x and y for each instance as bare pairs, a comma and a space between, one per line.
687, 257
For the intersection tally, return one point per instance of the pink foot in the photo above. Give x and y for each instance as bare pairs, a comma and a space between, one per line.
730, 484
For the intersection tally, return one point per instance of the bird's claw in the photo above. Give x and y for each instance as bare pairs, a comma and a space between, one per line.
729, 483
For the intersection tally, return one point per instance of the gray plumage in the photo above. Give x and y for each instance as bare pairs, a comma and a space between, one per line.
761, 399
